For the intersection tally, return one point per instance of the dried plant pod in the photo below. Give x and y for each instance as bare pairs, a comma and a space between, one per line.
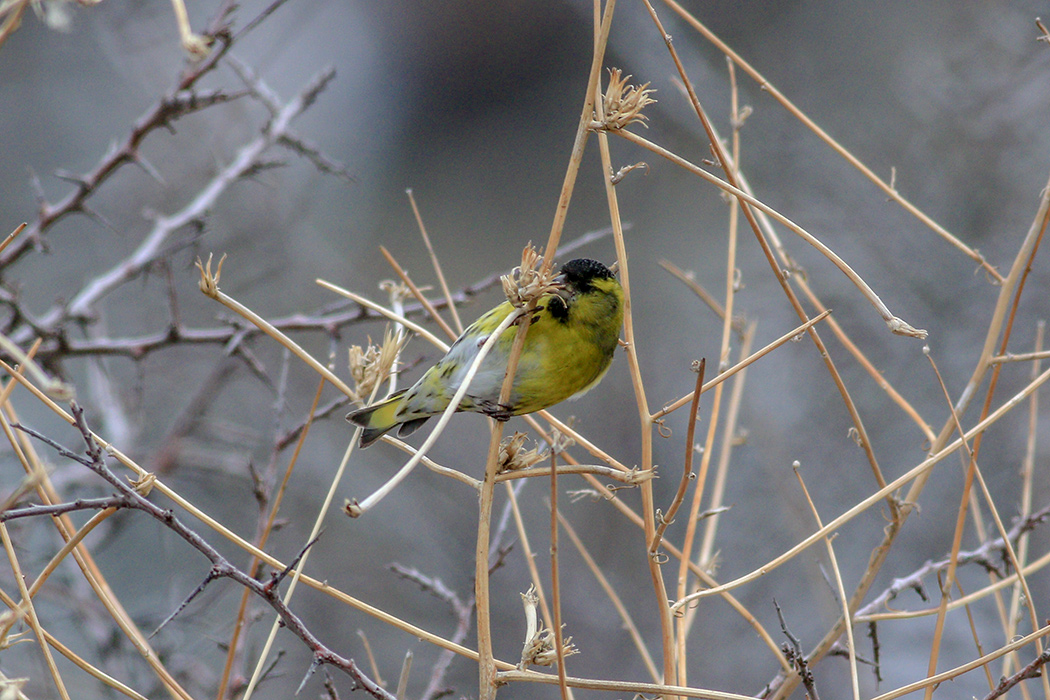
622, 103
540, 646
513, 456
526, 283
370, 366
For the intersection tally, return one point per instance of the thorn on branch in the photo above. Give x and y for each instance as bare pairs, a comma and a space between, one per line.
316, 87
1032, 670
434, 586
312, 153
262, 166
278, 576
102, 221
148, 168
920, 589
71, 178
796, 657
314, 665
213, 574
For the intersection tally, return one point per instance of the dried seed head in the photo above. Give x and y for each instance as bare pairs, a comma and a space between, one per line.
144, 485
512, 456
543, 652
397, 291
209, 283
8, 620
370, 366
539, 649
525, 283
562, 441
623, 103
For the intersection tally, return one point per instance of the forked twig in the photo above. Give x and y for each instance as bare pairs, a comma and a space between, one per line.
887, 188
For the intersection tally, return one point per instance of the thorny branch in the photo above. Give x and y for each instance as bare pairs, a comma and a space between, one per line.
129, 497
69, 507
463, 610
152, 246
990, 555
793, 652
177, 103
329, 320
1032, 670
183, 99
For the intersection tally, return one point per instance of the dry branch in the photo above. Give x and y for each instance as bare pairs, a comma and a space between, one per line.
220, 566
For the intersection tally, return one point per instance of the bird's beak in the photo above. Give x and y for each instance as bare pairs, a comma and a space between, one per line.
560, 287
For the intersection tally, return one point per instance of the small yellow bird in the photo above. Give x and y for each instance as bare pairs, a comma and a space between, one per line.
569, 345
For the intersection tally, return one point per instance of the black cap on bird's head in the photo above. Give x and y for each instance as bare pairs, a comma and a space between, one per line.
578, 273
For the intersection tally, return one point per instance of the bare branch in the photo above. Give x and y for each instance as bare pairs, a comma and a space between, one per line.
168, 109
1032, 670
69, 507
989, 555
221, 567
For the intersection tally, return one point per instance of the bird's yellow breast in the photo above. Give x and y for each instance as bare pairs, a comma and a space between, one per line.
567, 350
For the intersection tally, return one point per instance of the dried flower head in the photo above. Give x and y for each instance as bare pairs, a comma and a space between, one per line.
209, 283
397, 291
526, 283
540, 649
562, 441
145, 484
8, 620
370, 366
622, 103
512, 456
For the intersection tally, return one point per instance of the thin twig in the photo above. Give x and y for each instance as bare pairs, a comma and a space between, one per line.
840, 589
158, 485
418, 294
887, 188
221, 567
795, 655
913, 474
614, 598
59, 508
80, 306
986, 555
1032, 670
687, 471
559, 642
437, 266
645, 419
171, 107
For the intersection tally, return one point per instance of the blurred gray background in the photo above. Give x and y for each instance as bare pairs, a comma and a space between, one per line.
474, 106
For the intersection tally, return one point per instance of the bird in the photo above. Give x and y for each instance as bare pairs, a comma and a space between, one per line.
572, 335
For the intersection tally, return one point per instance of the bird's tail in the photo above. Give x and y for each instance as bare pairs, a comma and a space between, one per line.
376, 419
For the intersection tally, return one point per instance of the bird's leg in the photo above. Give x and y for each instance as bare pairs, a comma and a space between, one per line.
499, 411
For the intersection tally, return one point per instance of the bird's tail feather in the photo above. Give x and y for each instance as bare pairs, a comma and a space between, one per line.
376, 419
